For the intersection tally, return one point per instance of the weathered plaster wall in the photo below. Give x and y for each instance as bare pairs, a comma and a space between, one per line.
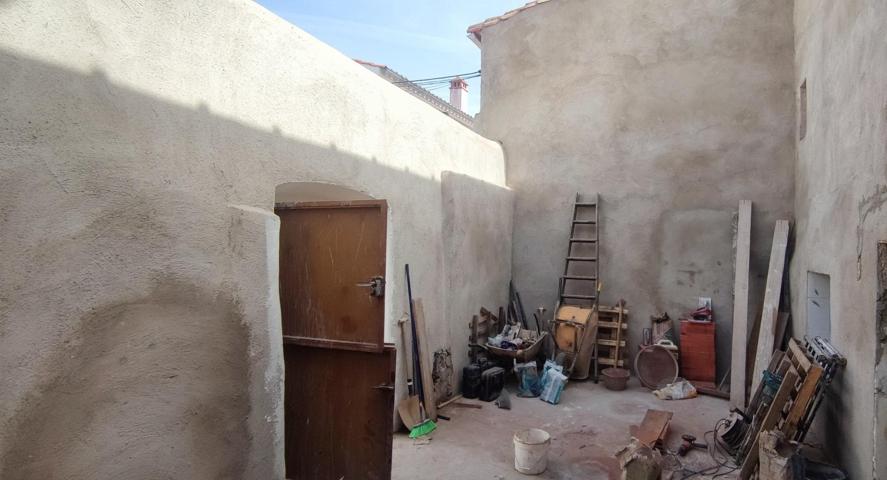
672, 111
140, 147
840, 197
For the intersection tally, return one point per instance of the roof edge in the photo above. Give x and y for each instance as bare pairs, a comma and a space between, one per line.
474, 31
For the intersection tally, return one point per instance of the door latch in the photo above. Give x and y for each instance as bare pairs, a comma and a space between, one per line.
384, 386
376, 286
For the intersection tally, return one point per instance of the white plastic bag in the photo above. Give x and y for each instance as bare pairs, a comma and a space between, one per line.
676, 391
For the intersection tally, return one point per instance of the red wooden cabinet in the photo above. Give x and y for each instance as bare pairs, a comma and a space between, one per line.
698, 350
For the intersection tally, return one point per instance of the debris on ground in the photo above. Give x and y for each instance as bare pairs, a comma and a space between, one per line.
676, 391
639, 461
504, 400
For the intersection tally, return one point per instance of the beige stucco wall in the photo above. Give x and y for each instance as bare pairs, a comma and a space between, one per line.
140, 147
673, 111
840, 193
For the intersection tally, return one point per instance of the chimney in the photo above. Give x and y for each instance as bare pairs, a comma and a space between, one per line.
459, 93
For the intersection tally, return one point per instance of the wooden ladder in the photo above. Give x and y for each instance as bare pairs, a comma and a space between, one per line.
611, 336
581, 267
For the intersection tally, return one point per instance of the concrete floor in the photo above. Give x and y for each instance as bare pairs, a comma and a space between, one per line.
587, 428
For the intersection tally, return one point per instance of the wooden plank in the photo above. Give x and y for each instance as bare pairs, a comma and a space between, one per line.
801, 402
447, 402
424, 360
610, 361
653, 427
605, 342
771, 420
800, 355
740, 306
602, 324
781, 327
612, 311
772, 294
710, 389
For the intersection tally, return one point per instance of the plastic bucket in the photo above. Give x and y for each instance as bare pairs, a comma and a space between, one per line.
531, 451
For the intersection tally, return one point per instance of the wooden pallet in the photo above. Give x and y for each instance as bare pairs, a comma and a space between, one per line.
801, 376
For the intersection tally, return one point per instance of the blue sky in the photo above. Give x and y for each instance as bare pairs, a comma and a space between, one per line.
416, 38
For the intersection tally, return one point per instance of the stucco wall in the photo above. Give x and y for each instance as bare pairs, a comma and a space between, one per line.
840, 193
140, 147
673, 111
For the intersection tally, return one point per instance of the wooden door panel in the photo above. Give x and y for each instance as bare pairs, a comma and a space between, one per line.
326, 250
338, 413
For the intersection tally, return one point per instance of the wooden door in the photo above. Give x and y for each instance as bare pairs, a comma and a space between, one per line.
339, 385
329, 252
338, 410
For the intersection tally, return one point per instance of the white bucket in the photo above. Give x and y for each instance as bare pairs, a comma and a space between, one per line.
531, 451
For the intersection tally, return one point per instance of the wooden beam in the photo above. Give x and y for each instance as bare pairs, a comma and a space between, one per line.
424, 361
740, 306
767, 333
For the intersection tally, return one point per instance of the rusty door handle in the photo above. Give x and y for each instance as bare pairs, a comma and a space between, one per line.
376, 286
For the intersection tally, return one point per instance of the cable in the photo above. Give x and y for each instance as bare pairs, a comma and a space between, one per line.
715, 447
445, 77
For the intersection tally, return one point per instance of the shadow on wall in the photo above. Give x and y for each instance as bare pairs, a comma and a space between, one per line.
295, 192
135, 324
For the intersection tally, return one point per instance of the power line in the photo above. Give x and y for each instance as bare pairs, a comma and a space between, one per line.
445, 78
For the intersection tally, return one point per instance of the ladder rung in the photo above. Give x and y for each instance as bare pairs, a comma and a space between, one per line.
609, 361
584, 222
605, 342
583, 240
578, 277
603, 324
578, 297
582, 259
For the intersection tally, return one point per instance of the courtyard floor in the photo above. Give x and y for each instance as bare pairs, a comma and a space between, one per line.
588, 426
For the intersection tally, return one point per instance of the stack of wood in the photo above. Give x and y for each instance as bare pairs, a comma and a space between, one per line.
789, 410
767, 333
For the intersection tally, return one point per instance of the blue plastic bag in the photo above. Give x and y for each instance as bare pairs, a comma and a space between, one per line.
553, 382
529, 385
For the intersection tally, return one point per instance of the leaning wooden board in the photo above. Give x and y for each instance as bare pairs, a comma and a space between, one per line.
653, 428
740, 306
425, 360
767, 333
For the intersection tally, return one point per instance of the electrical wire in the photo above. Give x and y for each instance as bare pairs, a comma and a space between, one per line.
715, 447
445, 78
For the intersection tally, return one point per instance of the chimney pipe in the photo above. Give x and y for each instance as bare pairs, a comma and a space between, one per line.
459, 93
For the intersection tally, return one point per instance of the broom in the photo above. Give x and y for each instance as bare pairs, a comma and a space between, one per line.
426, 425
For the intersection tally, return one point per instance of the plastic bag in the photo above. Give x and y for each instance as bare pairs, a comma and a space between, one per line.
529, 385
553, 382
676, 391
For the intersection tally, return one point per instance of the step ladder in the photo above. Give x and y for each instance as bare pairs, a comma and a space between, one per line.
578, 283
